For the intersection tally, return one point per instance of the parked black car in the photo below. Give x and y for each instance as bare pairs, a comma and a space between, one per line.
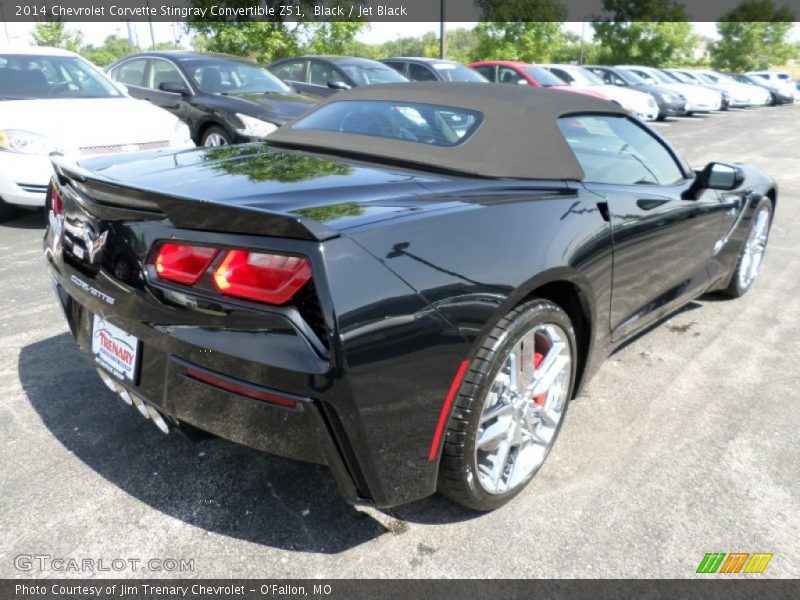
222, 98
322, 76
779, 96
670, 103
411, 303
433, 69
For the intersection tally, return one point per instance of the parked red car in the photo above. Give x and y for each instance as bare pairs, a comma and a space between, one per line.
520, 73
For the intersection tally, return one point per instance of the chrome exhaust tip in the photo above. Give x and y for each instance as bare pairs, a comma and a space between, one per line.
156, 417
140, 406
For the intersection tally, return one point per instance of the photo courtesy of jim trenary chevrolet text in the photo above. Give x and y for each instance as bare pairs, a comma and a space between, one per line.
399, 298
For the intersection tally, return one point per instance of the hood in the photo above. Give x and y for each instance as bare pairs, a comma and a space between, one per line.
626, 97
692, 91
83, 122
276, 107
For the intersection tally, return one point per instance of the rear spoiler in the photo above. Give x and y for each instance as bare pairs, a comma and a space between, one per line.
96, 191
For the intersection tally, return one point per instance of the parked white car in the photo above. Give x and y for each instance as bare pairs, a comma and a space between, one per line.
54, 101
698, 99
779, 79
639, 103
741, 94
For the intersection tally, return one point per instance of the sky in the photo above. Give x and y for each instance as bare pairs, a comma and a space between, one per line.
95, 33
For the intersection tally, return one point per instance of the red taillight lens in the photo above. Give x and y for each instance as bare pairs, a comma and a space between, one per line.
56, 202
183, 263
270, 278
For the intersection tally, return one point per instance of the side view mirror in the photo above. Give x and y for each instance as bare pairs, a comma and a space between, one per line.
338, 85
174, 87
716, 176
522, 82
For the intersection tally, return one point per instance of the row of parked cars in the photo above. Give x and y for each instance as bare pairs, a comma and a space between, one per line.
57, 102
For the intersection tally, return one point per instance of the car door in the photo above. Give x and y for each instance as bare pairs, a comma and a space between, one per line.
292, 72
162, 72
664, 243
418, 72
131, 73
321, 74
488, 71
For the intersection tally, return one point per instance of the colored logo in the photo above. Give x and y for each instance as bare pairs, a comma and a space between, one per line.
734, 562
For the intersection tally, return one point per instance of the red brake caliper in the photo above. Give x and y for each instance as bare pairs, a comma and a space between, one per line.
537, 360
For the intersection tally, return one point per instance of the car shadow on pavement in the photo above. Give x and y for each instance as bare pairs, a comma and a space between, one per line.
214, 484
27, 219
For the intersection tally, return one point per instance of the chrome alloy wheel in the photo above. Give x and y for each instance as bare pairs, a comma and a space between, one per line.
523, 409
214, 139
754, 248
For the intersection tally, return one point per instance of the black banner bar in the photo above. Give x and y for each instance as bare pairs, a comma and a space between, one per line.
375, 10
351, 589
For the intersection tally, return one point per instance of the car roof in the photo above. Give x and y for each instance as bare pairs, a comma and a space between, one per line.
536, 151
503, 63
422, 59
36, 50
352, 60
187, 54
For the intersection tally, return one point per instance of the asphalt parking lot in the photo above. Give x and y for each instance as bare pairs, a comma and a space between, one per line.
684, 443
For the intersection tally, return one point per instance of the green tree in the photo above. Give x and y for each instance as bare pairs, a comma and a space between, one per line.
753, 36
460, 44
56, 34
113, 48
525, 41
651, 32
335, 37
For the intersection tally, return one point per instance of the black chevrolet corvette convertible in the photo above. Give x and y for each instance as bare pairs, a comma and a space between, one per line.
408, 284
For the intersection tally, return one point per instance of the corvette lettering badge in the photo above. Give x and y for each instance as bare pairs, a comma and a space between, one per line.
93, 291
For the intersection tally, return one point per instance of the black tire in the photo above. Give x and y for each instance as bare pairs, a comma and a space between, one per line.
220, 134
736, 287
458, 476
7, 211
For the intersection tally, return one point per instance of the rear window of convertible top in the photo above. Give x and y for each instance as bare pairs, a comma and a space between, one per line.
407, 121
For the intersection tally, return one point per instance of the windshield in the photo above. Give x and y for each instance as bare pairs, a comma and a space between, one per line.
659, 76
406, 121
456, 72
543, 77
221, 76
630, 77
36, 77
705, 78
585, 76
366, 74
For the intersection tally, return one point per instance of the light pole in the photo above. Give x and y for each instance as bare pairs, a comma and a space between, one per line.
441, 30
150, 20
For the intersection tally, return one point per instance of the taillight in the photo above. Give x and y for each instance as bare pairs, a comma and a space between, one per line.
270, 278
183, 263
56, 202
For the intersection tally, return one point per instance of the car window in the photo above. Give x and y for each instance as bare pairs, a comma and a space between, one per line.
562, 74
614, 149
407, 121
25, 76
228, 76
543, 77
646, 77
455, 72
487, 71
320, 73
130, 72
420, 73
508, 75
162, 71
368, 74
397, 65
290, 71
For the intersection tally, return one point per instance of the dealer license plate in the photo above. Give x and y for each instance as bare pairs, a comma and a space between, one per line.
115, 349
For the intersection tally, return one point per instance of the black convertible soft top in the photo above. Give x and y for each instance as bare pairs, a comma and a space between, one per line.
519, 137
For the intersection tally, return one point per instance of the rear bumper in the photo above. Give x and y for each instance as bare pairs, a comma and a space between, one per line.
303, 432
